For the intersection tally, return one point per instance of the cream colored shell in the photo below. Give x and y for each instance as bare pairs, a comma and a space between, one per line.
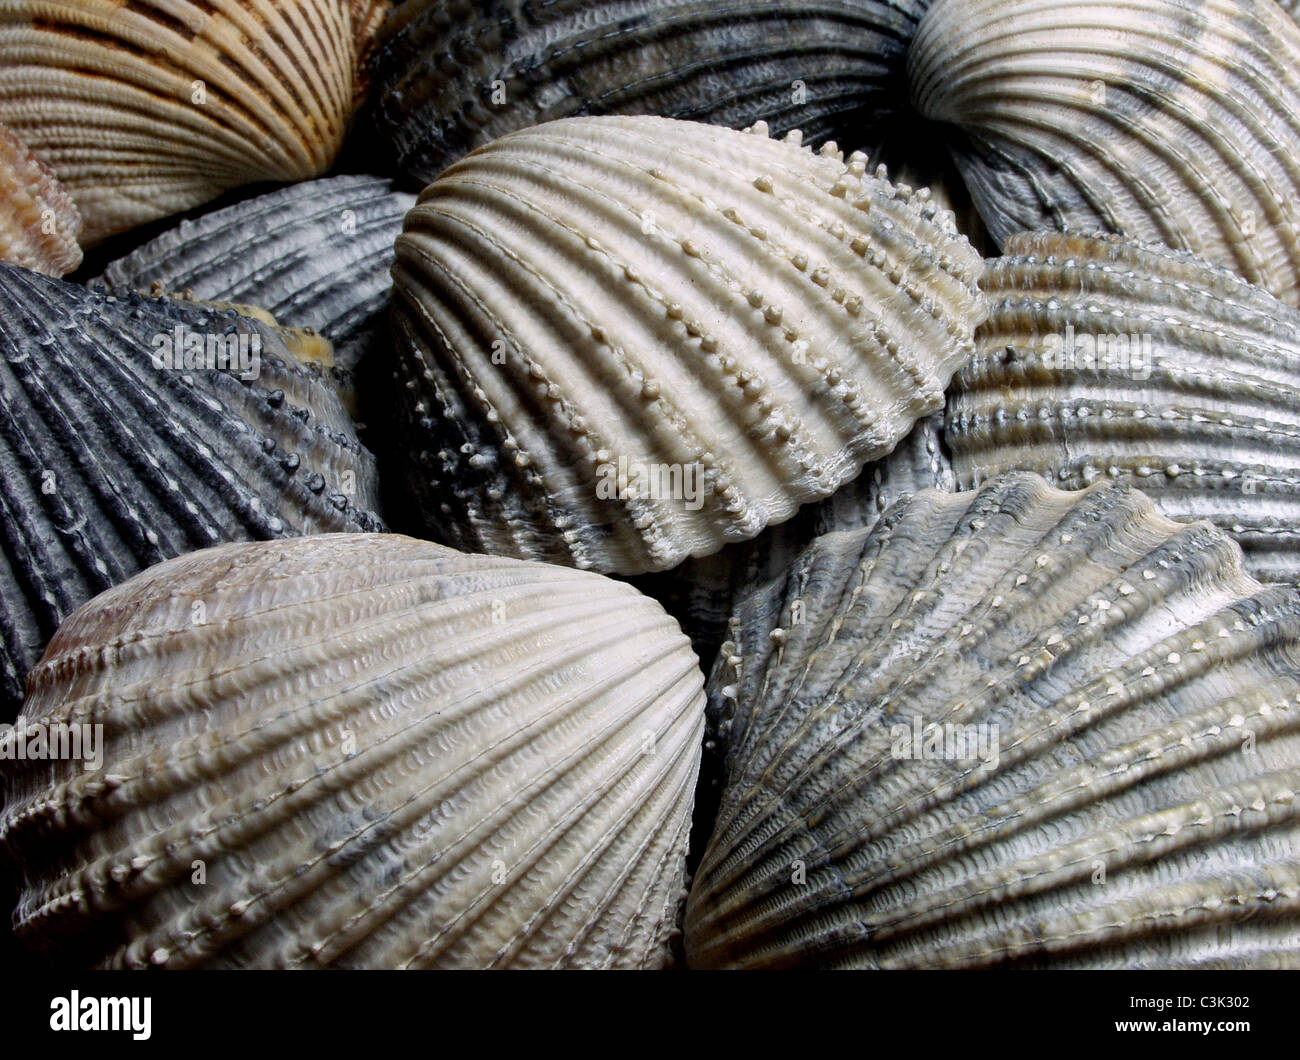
603, 297
382, 753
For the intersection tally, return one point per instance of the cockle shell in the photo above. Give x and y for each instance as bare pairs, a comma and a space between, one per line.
606, 295
39, 223
1179, 377
316, 255
1176, 121
449, 77
144, 108
1012, 727
109, 464
382, 752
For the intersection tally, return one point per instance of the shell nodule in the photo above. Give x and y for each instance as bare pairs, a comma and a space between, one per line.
1013, 726
1105, 358
626, 341
1175, 121
117, 452
365, 751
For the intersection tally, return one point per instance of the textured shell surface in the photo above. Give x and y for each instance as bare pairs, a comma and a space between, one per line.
316, 254
1173, 121
1009, 727
582, 306
450, 77
39, 222
1102, 357
112, 460
144, 108
387, 754
703, 593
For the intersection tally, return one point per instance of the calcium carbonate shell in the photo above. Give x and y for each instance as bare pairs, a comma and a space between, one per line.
383, 754
601, 296
1175, 121
145, 108
1105, 358
39, 223
1012, 727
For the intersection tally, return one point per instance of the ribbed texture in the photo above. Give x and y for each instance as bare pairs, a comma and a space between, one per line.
385, 753
669, 294
317, 255
39, 223
106, 93
1176, 121
1198, 408
702, 593
830, 68
1140, 806
108, 464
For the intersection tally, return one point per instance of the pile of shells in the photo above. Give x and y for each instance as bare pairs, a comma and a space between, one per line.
1017, 726
450, 77
1176, 121
1103, 357
789, 585
117, 452
581, 305
381, 752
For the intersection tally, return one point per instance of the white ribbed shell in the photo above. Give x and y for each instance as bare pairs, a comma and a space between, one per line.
144, 108
1141, 806
674, 295
1176, 121
385, 753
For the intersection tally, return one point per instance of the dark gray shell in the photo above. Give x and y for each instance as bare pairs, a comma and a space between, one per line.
314, 255
1117, 785
822, 67
1181, 378
109, 465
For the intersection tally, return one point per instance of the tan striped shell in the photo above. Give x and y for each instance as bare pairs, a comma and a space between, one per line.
39, 223
1175, 121
364, 751
596, 295
144, 108
1013, 727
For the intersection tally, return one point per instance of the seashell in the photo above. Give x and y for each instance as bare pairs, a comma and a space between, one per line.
145, 108
315, 254
737, 324
384, 753
702, 593
112, 464
1179, 377
39, 223
1173, 121
452, 76
1013, 727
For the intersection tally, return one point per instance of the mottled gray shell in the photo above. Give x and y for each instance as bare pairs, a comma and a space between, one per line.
598, 295
1175, 121
315, 255
1117, 783
383, 754
1179, 377
449, 77
108, 464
